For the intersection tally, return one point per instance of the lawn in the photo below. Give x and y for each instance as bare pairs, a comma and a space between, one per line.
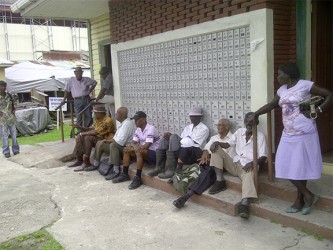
40, 240
49, 136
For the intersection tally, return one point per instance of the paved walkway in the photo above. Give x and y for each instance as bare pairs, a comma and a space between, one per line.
83, 211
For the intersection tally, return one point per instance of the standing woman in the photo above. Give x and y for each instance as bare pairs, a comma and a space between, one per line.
298, 157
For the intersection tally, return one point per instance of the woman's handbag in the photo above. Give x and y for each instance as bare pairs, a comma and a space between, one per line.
310, 105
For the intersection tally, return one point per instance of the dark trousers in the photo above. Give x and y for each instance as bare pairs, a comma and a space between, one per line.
84, 145
206, 178
189, 155
80, 104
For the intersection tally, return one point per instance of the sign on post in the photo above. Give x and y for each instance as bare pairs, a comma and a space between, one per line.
54, 102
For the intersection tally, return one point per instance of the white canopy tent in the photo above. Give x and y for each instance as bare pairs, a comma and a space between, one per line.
25, 76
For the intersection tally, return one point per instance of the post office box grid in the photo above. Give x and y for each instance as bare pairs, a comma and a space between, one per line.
169, 78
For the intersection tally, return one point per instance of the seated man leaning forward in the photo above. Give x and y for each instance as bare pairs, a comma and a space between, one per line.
186, 149
103, 128
144, 145
115, 146
241, 164
209, 175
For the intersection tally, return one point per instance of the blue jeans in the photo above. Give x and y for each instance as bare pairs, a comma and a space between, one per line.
5, 131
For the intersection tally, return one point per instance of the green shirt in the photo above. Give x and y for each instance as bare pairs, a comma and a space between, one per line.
6, 110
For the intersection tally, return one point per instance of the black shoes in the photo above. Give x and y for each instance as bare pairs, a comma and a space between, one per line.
16, 153
112, 176
244, 211
7, 155
218, 187
137, 182
121, 178
179, 203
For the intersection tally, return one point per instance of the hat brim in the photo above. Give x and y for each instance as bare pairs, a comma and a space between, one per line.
194, 114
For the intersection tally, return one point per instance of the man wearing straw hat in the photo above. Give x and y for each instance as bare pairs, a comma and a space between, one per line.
103, 128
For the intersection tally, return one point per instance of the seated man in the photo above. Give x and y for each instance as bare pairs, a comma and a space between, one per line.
115, 145
103, 128
241, 164
144, 145
187, 148
210, 175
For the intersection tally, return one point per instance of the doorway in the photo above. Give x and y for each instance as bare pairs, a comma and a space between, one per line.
322, 68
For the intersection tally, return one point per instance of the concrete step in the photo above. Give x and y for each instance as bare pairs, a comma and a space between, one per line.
284, 190
271, 204
317, 222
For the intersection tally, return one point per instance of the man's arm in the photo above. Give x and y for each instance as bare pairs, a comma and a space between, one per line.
66, 94
249, 166
101, 94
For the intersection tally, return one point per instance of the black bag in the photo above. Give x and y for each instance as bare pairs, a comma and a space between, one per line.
104, 168
310, 105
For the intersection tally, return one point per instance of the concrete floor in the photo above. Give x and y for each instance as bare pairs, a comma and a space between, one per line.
83, 211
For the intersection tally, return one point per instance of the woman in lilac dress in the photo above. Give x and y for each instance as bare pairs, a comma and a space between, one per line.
298, 157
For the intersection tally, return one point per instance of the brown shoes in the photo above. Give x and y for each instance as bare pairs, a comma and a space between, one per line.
75, 164
80, 168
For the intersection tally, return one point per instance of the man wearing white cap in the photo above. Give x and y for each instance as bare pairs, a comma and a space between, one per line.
176, 151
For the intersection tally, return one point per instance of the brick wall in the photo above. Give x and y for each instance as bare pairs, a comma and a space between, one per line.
131, 19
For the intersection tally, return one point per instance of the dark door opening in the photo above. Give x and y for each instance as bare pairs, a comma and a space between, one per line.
322, 65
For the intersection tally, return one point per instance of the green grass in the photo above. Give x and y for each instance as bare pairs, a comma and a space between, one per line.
49, 136
40, 240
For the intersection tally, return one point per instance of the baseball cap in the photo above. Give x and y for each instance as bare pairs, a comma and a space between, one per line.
138, 115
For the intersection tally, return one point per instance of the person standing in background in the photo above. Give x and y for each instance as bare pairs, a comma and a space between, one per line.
7, 121
80, 87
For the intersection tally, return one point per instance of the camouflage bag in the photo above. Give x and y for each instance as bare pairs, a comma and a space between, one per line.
182, 181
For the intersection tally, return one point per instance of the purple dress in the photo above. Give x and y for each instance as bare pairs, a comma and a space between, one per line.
298, 156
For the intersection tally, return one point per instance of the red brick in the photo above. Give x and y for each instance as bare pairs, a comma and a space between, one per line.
221, 15
179, 26
238, 11
198, 17
213, 13
183, 12
191, 5
192, 23
150, 29
205, 10
186, 20
154, 25
234, 2
172, 24
206, 19
231, 8
212, 3
192, 14
221, 5
167, 29
199, 7
258, 6
178, 18
156, 32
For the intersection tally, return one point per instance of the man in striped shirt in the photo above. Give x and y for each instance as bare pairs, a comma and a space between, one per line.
144, 144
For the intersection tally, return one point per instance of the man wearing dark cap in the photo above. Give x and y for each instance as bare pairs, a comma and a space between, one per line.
7, 121
80, 87
103, 128
144, 145
175, 151
106, 94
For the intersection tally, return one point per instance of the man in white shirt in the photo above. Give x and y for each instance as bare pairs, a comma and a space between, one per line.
175, 151
241, 164
115, 146
209, 175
